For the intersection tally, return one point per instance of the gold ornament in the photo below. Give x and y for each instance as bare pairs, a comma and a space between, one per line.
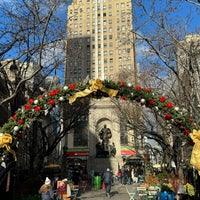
195, 157
95, 85
5, 141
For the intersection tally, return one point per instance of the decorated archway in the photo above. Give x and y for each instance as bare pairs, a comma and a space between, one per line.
11, 131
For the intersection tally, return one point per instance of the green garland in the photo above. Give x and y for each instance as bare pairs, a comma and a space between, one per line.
42, 104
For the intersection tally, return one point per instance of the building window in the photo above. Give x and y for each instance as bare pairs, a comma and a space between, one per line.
111, 68
81, 136
124, 137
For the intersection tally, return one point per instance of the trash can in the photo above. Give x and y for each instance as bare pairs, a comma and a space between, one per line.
97, 182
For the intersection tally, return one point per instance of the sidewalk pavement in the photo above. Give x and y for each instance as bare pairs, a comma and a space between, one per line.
118, 192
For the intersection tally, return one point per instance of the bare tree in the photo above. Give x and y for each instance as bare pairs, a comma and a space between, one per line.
167, 54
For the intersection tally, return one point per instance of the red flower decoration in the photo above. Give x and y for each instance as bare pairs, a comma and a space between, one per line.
147, 89
169, 105
37, 108
122, 84
138, 87
31, 100
52, 102
40, 97
151, 102
123, 97
14, 116
168, 116
52, 93
191, 119
186, 131
21, 121
162, 99
56, 91
27, 106
72, 87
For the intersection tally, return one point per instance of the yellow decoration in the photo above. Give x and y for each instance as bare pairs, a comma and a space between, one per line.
95, 85
5, 141
195, 157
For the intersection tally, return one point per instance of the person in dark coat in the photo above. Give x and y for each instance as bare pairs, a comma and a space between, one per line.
107, 179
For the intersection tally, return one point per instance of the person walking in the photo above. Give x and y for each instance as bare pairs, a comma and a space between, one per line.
46, 190
107, 179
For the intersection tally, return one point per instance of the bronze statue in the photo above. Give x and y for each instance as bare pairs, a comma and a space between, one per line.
105, 134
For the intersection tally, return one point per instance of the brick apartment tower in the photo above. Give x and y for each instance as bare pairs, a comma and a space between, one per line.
100, 41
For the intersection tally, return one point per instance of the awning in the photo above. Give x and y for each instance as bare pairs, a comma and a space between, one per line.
127, 151
78, 152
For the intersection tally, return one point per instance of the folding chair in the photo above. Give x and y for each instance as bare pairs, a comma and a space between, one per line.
74, 193
152, 193
142, 192
131, 194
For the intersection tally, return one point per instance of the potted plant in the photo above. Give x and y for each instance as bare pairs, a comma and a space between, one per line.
189, 190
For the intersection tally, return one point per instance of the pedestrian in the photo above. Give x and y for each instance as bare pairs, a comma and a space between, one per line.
46, 190
107, 179
67, 195
123, 175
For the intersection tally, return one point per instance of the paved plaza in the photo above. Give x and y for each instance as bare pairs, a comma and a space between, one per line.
118, 192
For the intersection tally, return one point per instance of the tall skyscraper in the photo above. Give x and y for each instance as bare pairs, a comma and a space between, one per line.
100, 41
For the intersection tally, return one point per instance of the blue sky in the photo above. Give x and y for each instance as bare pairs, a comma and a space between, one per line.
181, 10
